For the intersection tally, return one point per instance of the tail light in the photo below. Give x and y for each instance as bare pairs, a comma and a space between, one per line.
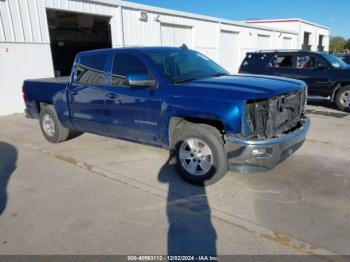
24, 94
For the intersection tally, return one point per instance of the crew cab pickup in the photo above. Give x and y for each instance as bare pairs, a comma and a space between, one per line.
176, 99
325, 74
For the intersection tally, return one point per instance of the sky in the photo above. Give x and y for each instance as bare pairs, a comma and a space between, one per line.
325, 12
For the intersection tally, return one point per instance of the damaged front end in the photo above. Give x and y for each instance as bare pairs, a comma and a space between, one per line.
272, 130
274, 117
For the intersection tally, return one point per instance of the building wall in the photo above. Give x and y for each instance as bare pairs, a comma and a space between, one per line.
300, 26
24, 36
20, 61
315, 32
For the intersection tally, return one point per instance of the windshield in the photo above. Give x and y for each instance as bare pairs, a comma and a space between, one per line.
335, 61
181, 65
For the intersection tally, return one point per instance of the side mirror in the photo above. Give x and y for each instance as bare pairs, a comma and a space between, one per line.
140, 80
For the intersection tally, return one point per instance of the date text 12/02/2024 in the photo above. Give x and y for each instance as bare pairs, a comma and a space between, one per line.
172, 258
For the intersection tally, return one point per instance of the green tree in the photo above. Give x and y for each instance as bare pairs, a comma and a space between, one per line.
347, 45
337, 44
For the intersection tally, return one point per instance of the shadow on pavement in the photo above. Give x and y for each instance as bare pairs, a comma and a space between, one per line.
325, 103
325, 113
190, 229
8, 159
305, 197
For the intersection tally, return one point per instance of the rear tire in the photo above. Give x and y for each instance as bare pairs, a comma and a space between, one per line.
199, 153
342, 99
51, 127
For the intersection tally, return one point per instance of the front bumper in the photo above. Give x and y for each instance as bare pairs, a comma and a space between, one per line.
262, 155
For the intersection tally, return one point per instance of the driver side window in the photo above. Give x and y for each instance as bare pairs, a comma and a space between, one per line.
125, 65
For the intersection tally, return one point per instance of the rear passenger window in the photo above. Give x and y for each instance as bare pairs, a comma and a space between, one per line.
90, 69
125, 65
283, 61
309, 62
305, 62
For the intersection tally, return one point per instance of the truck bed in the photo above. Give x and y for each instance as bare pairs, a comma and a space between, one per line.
43, 90
58, 80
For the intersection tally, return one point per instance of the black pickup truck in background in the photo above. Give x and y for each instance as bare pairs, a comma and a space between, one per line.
344, 57
325, 74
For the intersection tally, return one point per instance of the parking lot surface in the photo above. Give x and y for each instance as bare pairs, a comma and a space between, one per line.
96, 195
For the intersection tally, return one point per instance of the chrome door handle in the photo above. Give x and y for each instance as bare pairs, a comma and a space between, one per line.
111, 95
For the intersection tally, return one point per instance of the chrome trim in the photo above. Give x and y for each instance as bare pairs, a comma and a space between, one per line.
345, 99
270, 142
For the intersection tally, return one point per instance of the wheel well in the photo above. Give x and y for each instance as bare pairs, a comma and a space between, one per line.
177, 122
41, 105
338, 88
345, 84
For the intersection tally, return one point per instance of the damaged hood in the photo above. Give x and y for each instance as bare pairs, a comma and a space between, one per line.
238, 87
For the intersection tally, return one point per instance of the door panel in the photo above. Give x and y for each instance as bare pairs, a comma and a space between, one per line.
308, 69
318, 81
87, 93
282, 65
305, 67
134, 113
87, 107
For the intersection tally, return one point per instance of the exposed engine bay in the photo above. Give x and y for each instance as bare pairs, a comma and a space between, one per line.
276, 116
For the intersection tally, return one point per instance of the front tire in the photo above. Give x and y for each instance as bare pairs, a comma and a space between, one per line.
51, 127
199, 153
342, 99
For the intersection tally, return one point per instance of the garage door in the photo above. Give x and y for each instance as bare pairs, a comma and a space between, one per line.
176, 35
229, 51
263, 42
287, 42
71, 33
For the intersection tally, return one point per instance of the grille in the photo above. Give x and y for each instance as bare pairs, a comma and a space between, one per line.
276, 116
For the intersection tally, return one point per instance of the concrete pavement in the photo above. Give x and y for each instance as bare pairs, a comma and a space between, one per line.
96, 195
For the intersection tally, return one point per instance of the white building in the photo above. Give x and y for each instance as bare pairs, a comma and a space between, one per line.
39, 38
311, 36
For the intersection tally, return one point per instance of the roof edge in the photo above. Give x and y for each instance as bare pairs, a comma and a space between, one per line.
285, 20
161, 10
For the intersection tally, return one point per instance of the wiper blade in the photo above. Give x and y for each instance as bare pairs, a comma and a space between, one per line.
185, 80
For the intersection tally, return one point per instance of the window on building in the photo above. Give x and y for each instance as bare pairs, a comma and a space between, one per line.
320, 46
125, 65
283, 61
90, 69
306, 43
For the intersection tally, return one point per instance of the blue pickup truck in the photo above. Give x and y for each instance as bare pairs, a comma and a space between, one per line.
177, 99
